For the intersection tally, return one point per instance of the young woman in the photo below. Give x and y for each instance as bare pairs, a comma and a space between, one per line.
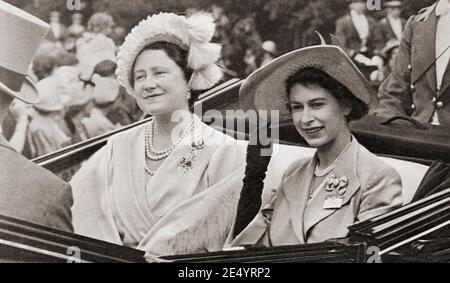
170, 186
321, 91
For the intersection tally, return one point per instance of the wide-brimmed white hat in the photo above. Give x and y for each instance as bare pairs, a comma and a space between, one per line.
192, 34
21, 34
265, 89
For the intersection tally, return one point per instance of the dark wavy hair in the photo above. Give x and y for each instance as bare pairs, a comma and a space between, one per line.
179, 56
312, 76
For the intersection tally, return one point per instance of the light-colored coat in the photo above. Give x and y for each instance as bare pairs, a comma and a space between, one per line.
172, 212
373, 188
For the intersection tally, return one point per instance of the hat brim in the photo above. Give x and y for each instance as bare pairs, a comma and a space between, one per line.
28, 93
393, 4
265, 88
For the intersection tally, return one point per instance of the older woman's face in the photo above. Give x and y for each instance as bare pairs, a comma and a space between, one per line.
159, 83
318, 116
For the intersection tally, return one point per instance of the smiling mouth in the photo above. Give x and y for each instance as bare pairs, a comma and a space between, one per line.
153, 95
314, 130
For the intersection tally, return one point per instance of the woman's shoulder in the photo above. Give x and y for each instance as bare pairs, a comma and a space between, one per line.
297, 166
371, 166
127, 135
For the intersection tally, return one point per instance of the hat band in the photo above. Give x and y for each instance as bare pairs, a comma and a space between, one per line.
11, 79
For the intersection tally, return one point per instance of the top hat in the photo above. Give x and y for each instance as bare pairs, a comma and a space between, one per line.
265, 88
21, 35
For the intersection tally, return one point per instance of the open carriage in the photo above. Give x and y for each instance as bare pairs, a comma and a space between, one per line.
414, 232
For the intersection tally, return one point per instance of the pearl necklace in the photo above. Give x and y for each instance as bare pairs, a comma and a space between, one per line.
321, 173
158, 155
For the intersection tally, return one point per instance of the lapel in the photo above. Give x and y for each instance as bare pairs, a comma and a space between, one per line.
445, 79
372, 26
426, 44
163, 191
315, 212
354, 35
296, 189
391, 30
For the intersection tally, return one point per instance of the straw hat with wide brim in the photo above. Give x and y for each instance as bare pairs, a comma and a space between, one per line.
20, 34
265, 88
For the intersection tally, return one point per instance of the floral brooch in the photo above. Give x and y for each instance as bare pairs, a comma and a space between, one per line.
186, 162
336, 189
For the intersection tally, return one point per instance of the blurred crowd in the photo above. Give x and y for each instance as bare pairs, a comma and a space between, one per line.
371, 43
80, 98
74, 71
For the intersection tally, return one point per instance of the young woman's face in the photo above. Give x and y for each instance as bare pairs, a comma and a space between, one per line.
318, 116
159, 83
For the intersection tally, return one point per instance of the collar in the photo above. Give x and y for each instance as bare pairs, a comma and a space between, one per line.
442, 7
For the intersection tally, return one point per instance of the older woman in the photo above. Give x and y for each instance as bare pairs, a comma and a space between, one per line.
321, 91
170, 186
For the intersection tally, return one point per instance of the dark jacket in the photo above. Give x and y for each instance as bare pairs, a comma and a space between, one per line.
411, 89
31, 193
387, 31
350, 40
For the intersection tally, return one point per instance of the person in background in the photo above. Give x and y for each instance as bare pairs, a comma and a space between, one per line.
118, 35
360, 35
105, 93
270, 52
58, 31
76, 98
389, 54
27, 191
48, 131
50, 56
245, 46
113, 102
76, 29
419, 85
96, 47
321, 91
392, 25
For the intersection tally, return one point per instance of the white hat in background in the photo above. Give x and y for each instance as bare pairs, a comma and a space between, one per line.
270, 47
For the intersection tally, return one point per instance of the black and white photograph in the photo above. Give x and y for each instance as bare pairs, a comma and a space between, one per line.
224, 131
